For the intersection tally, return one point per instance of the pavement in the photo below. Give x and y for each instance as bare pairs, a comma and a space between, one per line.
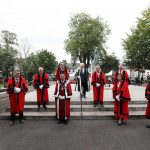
77, 135
137, 93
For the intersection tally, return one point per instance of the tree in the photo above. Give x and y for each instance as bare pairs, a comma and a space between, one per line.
110, 62
47, 60
31, 65
137, 44
24, 49
44, 59
86, 34
8, 51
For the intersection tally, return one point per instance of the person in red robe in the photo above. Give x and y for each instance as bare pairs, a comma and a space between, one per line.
16, 88
124, 74
62, 94
98, 82
147, 96
41, 84
121, 96
62, 69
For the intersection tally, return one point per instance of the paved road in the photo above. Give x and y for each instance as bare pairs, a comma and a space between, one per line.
77, 135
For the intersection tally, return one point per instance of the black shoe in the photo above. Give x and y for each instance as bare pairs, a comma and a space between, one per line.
147, 126
102, 106
12, 123
59, 122
21, 121
38, 108
66, 122
124, 122
94, 105
44, 106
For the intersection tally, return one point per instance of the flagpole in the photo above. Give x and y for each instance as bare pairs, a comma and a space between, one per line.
80, 88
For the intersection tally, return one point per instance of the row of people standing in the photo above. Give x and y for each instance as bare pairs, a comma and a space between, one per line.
17, 88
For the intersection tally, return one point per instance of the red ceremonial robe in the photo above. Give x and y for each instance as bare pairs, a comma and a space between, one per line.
98, 92
42, 95
121, 107
63, 105
124, 76
147, 96
59, 71
16, 99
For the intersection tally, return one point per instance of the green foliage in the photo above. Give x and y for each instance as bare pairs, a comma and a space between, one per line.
110, 62
86, 34
8, 51
137, 44
44, 59
28, 65
47, 60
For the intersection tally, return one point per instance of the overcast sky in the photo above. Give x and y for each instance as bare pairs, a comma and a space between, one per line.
45, 22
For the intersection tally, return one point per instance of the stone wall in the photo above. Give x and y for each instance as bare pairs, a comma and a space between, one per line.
4, 101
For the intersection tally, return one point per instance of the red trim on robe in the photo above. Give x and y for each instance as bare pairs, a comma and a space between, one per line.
121, 109
16, 100
124, 75
41, 94
62, 106
98, 92
147, 92
58, 74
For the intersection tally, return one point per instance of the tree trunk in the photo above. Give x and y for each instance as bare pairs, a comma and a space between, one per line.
84, 60
80, 59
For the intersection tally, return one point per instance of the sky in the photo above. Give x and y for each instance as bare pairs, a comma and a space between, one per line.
45, 22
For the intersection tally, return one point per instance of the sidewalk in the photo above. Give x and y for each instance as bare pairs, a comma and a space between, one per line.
137, 93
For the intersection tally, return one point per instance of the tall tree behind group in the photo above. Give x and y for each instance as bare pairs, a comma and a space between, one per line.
110, 62
47, 60
86, 34
43, 58
8, 51
137, 44
14, 53
24, 50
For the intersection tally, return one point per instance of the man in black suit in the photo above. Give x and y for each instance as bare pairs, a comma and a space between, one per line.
82, 79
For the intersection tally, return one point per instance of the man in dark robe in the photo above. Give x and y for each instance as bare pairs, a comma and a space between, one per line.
82, 79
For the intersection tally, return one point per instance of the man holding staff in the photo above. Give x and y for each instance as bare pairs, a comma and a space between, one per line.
83, 79
62, 94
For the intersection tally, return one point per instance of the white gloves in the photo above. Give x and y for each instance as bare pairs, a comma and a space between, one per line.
78, 77
41, 86
117, 98
17, 90
97, 85
61, 97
